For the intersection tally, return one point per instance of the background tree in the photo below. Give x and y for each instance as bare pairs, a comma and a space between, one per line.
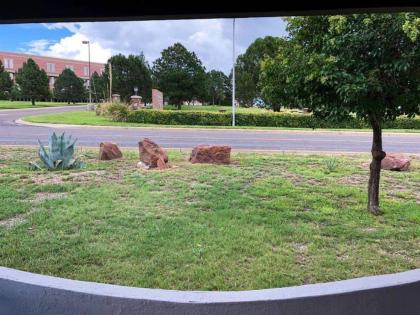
127, 73
248, 68
367, 64
180, 75
6, 83
217, 88
68, 87
100, 87
33, 81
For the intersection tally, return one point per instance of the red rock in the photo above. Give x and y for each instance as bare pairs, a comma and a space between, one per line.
395, 163
214, 154
109, 151
152, 155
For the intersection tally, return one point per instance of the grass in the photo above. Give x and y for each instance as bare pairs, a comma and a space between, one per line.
267, 220
27, 104
89, 118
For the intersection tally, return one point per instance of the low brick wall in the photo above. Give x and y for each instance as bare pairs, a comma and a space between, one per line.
28, 293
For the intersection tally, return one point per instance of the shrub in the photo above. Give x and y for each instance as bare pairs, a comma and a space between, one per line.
290, 120
60, 154
331, 165
117, 111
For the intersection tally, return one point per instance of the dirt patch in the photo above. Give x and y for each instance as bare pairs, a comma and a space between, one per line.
42, 196
354, 180
77, 177
11, 222
297, 179
301, 253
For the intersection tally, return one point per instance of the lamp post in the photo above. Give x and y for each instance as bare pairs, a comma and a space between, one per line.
233, 73
90, 89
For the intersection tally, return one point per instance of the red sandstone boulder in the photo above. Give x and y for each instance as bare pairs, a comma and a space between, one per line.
152, 155
395, 163
214, 154
109, 151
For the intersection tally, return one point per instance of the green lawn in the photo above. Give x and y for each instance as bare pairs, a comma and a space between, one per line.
90, 118
28, 104
267, 220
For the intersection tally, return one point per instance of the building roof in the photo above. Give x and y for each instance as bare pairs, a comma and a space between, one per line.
48, 58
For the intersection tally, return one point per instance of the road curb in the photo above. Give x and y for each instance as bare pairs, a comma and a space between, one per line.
62, 126
29, 293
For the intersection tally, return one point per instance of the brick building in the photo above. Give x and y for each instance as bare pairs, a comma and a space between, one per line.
53, 66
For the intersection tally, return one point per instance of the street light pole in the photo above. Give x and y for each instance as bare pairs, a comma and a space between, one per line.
90, 83
233, 74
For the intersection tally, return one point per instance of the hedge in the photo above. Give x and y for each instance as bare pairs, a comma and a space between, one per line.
259, 120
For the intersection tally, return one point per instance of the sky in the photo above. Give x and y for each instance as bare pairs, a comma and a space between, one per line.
210, 39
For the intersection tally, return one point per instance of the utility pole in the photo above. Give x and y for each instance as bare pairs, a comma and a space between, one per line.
233, 74
90, 79
110, 81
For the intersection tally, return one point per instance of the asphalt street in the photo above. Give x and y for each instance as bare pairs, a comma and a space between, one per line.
12, 133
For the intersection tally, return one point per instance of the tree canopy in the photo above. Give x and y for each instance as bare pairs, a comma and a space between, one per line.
365, 64
33, 81
6, 83
68, 87
248, 68
180, 75
218, 88
127, 73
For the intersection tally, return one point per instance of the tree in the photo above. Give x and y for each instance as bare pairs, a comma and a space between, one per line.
248, 68
68, 87
217, 87
99, 86
6, 83
33, 81
180, 75
127, 73
366, 65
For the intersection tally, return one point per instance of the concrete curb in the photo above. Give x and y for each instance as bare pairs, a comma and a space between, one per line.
42, 108
49, 125
28, 293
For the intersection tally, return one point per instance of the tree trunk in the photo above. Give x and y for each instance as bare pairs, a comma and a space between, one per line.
375, 166
33, 102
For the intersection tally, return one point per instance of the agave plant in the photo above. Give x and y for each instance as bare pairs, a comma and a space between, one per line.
60, 154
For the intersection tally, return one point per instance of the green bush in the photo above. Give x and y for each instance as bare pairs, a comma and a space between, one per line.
201, 118
117, 111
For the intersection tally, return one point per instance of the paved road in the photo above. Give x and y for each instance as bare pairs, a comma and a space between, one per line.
12, 133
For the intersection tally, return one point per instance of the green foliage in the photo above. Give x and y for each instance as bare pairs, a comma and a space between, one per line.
337, 65
60, 154
6, 83
269, 119
248, 68
99, 87
218, 88
68, 87
117, 111
33, 81
180, 75
331, 165
127, 73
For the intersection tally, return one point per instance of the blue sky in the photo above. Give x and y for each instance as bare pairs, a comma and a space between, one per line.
210, 39
15, 37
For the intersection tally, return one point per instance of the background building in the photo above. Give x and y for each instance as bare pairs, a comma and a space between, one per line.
53, 66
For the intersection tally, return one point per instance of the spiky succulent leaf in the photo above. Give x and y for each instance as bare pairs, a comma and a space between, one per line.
60, 154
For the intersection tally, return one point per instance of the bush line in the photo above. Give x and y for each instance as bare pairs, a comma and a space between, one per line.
252, 119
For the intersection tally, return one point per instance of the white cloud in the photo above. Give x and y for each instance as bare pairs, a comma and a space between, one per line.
210, 39
37, 46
